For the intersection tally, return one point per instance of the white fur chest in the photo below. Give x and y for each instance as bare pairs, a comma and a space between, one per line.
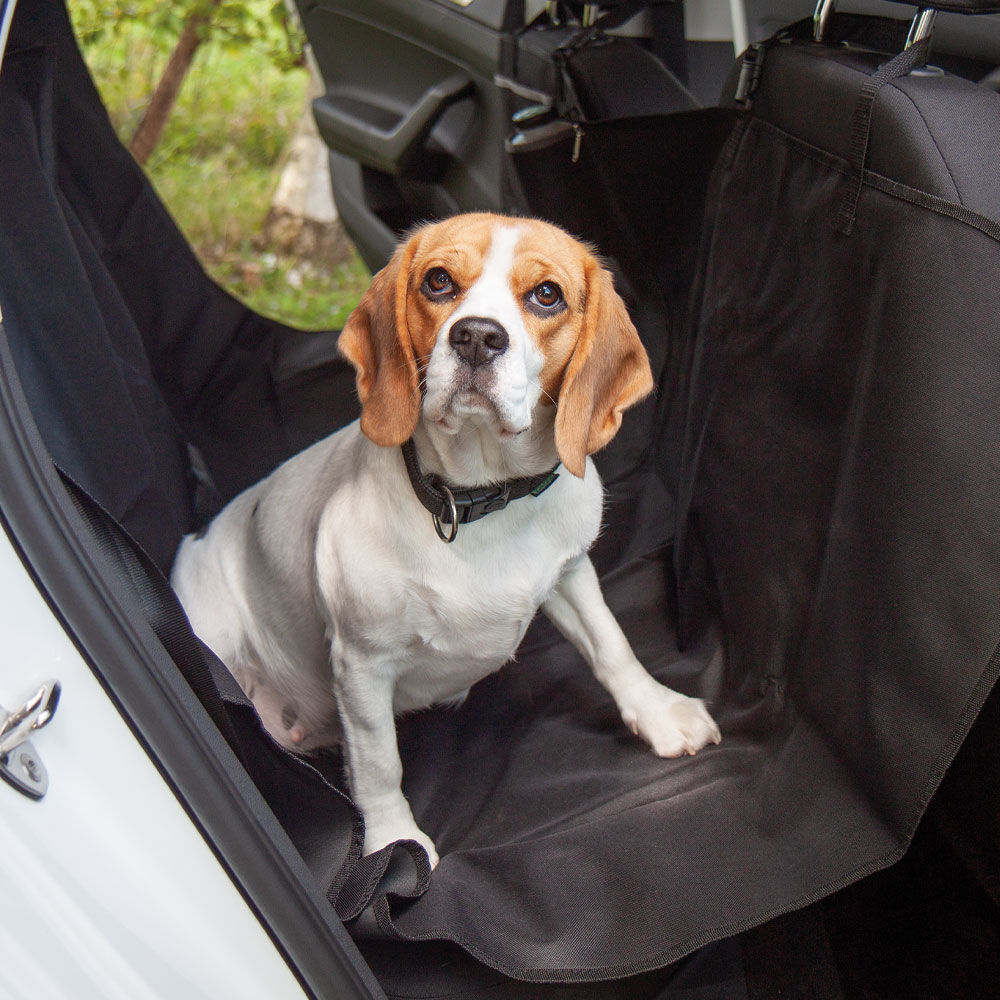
438, 616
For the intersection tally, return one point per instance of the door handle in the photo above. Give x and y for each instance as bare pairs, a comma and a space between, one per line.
357, 127
20, 765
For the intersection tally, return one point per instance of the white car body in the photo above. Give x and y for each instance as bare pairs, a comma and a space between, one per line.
109, 889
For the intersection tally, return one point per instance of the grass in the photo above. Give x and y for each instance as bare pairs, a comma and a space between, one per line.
294, 291
218, 162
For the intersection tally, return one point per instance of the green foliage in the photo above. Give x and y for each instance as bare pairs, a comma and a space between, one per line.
127, 44
264, 25
217, 163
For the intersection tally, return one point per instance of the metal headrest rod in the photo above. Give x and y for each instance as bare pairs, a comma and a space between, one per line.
821, 17
922, 26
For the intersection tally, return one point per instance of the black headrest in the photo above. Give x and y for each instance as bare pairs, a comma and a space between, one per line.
958, 6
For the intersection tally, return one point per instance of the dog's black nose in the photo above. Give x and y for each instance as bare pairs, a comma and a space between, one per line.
478, 340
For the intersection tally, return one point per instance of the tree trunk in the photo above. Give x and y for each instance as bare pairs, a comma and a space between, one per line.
302, 220
147, 135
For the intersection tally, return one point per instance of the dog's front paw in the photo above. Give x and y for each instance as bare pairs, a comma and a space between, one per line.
380, 834
671, 723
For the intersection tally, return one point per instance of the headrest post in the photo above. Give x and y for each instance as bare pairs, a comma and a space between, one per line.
821, 17
922, 26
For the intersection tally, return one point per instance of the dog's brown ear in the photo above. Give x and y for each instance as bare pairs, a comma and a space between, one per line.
376, 341
607, 373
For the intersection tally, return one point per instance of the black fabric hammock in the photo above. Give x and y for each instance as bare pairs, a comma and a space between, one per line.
802, 527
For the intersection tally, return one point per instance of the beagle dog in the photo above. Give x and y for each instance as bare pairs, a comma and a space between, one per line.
400, 560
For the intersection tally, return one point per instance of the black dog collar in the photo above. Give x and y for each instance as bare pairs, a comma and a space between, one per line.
455, 505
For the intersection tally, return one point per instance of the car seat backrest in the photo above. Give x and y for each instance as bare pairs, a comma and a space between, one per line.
917, 138
840, 471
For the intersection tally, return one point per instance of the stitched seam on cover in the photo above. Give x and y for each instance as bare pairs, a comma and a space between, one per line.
815, 153
888, 185
658, 960
930, 135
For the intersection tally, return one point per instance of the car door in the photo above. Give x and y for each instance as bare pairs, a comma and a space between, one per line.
427, 102
413, 124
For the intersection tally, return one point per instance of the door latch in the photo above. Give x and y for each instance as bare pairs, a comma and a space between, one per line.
20, 764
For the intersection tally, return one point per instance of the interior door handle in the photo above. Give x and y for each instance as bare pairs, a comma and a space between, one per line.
357, 127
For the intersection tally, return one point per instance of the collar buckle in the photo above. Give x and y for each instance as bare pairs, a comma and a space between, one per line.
465, 506
479, 503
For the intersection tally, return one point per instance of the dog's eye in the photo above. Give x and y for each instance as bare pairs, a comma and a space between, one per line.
438, 284
547, 295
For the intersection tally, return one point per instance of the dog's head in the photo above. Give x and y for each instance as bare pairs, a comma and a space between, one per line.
483, 317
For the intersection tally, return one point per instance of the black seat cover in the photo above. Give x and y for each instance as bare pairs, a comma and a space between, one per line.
801, 527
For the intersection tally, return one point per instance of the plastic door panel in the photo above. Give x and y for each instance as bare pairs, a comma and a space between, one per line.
410, 111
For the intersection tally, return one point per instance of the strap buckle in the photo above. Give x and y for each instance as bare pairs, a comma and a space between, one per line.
751, 69
482, 502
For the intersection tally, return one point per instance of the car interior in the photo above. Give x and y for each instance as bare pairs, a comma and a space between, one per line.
801, 526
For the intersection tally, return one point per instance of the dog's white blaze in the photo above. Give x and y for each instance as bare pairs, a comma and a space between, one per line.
516, 388
491, 294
